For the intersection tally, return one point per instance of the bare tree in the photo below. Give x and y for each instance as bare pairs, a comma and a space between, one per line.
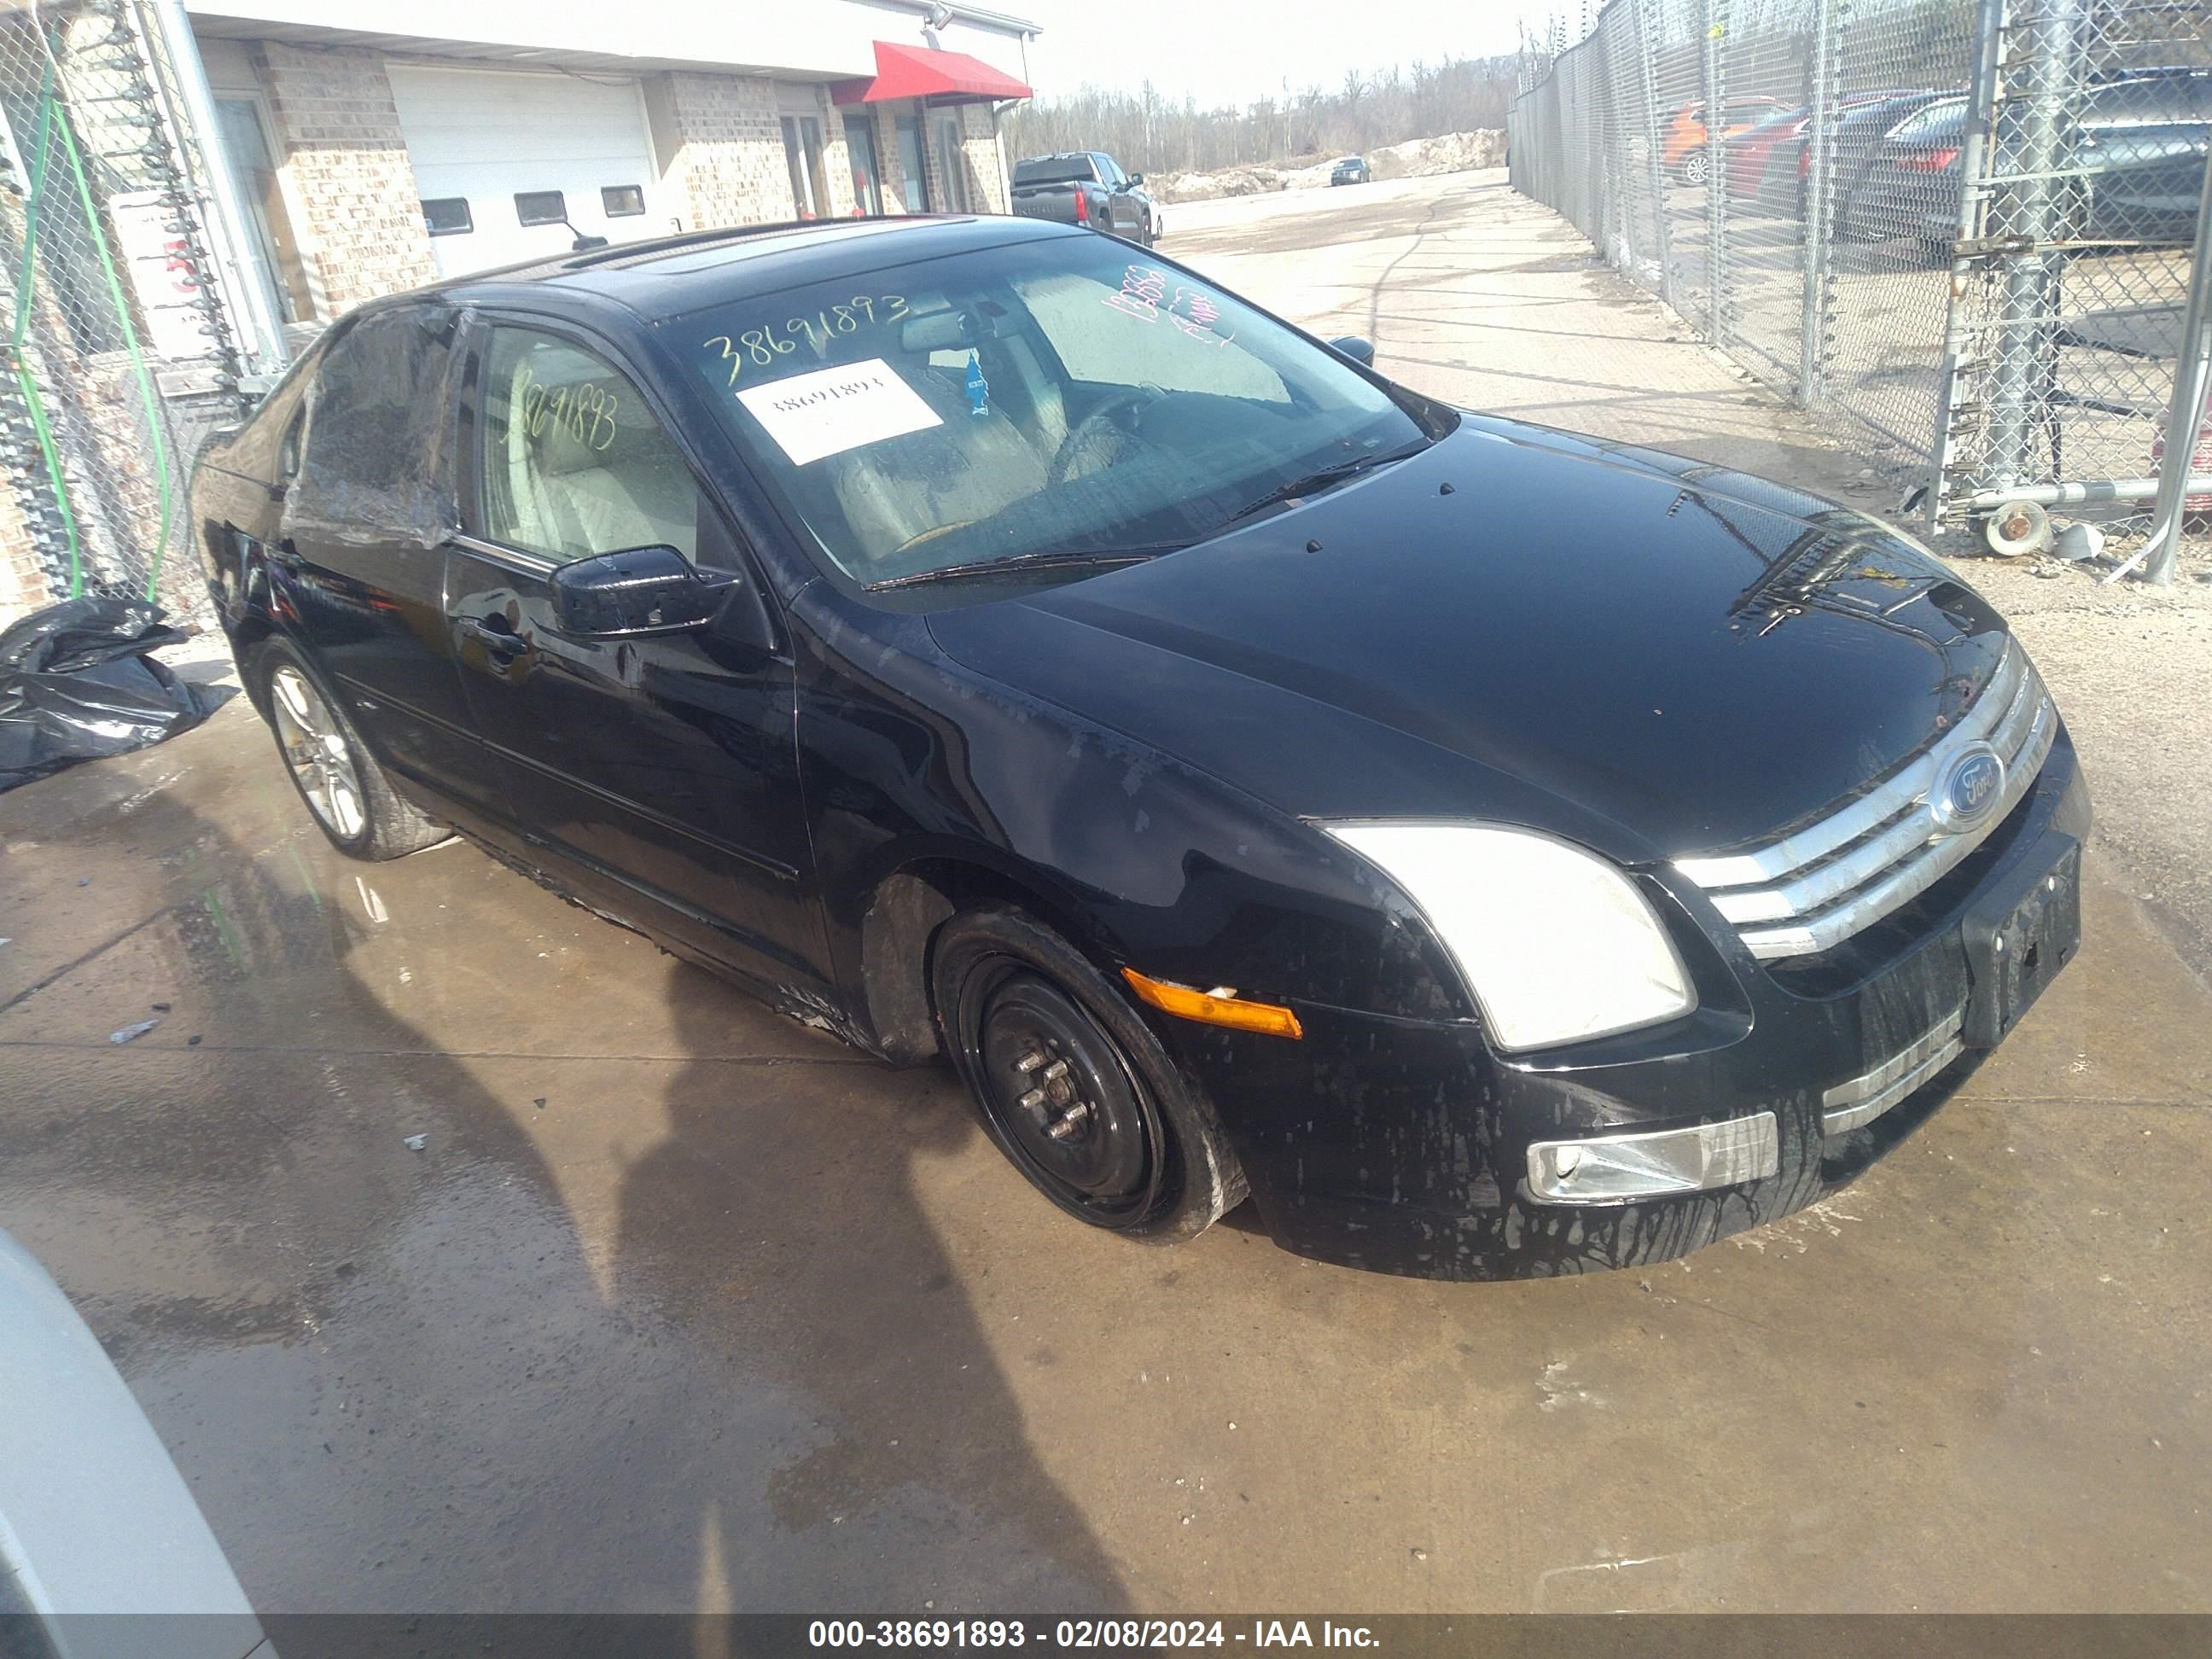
1147, 133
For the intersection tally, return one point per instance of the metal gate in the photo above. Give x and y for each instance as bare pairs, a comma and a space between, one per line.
2073, 363
121, 354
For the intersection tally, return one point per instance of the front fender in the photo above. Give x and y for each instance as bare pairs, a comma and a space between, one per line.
910, 761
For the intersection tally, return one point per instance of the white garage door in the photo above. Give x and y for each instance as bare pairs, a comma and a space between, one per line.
501, 158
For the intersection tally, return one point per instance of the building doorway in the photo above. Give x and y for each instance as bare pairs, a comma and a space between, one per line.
809, 183
867, 176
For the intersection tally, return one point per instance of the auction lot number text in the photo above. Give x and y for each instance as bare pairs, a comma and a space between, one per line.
1081, 1633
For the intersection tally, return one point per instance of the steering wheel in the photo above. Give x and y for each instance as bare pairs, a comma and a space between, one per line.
1110, 420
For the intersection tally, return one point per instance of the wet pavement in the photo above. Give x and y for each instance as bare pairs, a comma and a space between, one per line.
683, 1305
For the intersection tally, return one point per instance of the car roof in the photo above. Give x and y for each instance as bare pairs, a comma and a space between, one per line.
672, 274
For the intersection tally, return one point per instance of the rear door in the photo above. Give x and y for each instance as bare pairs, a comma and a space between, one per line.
357, 565
665, 764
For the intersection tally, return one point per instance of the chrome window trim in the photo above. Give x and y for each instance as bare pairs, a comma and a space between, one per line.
1854, 1105
530, 564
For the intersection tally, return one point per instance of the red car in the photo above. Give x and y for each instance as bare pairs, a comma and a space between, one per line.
1766, 166
1747, 151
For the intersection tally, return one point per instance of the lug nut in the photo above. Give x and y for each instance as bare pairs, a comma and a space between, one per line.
1029, 1061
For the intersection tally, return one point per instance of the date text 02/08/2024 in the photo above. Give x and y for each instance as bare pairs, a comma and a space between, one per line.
1087, 1633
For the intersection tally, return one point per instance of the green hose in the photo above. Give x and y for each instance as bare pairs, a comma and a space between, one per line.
30, 387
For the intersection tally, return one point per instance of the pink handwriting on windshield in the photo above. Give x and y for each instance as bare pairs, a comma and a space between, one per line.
1144, 295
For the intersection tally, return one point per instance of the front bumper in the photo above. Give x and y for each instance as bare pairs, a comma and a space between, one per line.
1405, 1146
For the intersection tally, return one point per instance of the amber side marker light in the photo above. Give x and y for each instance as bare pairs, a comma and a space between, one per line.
1211, 1008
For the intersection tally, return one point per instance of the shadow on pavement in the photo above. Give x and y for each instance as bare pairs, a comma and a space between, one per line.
408, 1380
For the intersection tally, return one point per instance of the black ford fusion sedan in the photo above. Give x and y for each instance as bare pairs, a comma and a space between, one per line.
1497, 851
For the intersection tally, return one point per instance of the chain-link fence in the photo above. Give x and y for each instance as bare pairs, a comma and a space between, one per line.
120, 358
1894, 210
2083, 157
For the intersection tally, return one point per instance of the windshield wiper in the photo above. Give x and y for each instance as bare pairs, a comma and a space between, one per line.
1068, 559
1316, 482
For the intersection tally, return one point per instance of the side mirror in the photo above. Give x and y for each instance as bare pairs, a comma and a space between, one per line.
1136, 178
1359, 350
640, 590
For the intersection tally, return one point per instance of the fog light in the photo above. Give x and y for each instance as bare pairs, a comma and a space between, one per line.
1616, 1168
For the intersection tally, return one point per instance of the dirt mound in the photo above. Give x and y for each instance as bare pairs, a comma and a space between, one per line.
1453, 152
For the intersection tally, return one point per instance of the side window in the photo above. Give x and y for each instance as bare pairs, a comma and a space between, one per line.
373, 464
570, 463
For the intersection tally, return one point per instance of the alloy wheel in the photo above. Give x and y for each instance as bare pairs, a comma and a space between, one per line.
317, 751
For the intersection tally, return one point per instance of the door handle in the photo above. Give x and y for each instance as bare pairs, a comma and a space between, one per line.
503, 640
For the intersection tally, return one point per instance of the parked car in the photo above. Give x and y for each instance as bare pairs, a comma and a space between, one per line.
1860, 128
1498, 852
1686, 150
1085, 187
2139, 142
1766, 164
102, 1549
1351, 170
1747, 151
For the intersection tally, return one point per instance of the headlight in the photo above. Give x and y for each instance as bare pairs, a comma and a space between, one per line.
1554, 943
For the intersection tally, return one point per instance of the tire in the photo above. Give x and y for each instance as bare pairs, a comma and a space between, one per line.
1692, 168
347, 792
1118, 1138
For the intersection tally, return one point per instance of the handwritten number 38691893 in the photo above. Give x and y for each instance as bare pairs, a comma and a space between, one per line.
762, 347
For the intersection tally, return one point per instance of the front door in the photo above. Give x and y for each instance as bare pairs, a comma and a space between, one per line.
357, 567
860, 146
666, 764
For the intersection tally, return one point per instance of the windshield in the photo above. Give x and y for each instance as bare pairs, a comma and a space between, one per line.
1054, 170
1060, 397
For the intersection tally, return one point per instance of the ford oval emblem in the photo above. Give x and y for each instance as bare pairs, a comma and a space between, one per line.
1969, 789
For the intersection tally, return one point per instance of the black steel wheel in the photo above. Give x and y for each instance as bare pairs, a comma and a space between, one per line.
1072, 1085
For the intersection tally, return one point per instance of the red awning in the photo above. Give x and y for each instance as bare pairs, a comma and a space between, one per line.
949, 77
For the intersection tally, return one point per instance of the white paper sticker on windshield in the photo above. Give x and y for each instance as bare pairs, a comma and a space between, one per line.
834, 409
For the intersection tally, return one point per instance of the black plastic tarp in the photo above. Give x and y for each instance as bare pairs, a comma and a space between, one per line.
76, 685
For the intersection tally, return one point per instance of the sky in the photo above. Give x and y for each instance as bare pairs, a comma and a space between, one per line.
1231, 51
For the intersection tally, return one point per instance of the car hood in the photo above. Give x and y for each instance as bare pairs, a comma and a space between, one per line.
1644, 652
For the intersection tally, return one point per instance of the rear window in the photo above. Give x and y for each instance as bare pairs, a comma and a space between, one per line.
1936, 122
1054, 170
2152, 98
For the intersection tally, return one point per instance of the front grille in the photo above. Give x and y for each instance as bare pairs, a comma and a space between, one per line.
1811, 889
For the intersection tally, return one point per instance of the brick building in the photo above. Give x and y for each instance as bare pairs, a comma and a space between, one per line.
380, 146
373, 145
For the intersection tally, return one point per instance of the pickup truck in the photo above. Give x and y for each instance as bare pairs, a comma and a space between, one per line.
1086, 187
